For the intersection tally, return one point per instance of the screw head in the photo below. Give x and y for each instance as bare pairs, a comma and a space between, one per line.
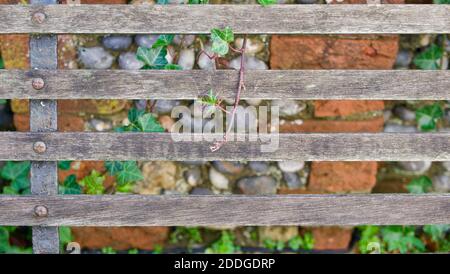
38, 83
41, 211
39, 147
38, 17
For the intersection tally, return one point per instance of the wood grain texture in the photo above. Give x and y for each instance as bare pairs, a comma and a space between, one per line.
43, 118
220, 210
161, 146
264, 84
251, 19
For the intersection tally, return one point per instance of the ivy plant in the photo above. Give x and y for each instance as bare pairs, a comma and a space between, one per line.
220, 40
155, 57
267, 2
428, 116
369, 234
402, 239
224, 245
93, 183
18, 174
2, 64
70, 186
429, 59
420, 185
5, 245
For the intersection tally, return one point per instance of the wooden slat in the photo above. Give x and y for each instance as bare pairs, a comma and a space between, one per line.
251, 19
191, 210
160, 146
43, 118
264, 84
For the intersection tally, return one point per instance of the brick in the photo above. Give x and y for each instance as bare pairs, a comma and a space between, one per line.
326, 126
14, 50
120, 238
333, 108
342, 177
65, 122
333, 52
331, 238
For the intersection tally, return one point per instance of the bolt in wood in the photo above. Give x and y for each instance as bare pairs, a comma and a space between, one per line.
41, 211
38, 83
39, 147
38, 17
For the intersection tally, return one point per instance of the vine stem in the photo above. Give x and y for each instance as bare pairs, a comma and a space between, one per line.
241, 86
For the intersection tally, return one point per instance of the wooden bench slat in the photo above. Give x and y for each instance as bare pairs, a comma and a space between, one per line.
220, 210
264, 84
251, 19
160, 146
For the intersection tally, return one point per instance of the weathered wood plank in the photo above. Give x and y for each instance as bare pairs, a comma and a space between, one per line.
190, 210
251, 19
43, 118
161, 146
264, 84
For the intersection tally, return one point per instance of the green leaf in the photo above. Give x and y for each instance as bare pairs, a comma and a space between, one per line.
267, 2
436, 232
130, 173
402, 238
154, 58
428, 116
93, 183
13, 170
21, 183
65, 235
163, 41
429, 59
113, 167
441, 1
423, 184
64, 165
172, 67
133, 115
70, 186
2, 64
162, 2
220, 39
148, 123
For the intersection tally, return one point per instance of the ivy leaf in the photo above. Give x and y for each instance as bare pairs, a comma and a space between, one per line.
163, 41
70, 186
220, 39
267, 2
93, 183
154, 58
13, 170
64, 165
113, 167
420, 185
436, 232
133, 115
402, 239
148, 123
427, 117
429, 59
172, 67
130, 173
2, 64
441, 1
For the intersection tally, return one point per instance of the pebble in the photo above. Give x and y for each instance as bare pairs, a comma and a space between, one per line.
387, 114
165, 106
289, 108
291, 166
418, 167
258, 166
404, 113
193, 176
257, 185
231, 167
399, 128
252, 47
166, 122
292, 180
140, 104
95, 58
441, 183
203, 61
145, 40
446, 165
193, 163
218, 180
158, 175
129, 61
117, 42
100, 125
187, 59
404, 58
253, 102
251, 63
201, 191
184, 40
